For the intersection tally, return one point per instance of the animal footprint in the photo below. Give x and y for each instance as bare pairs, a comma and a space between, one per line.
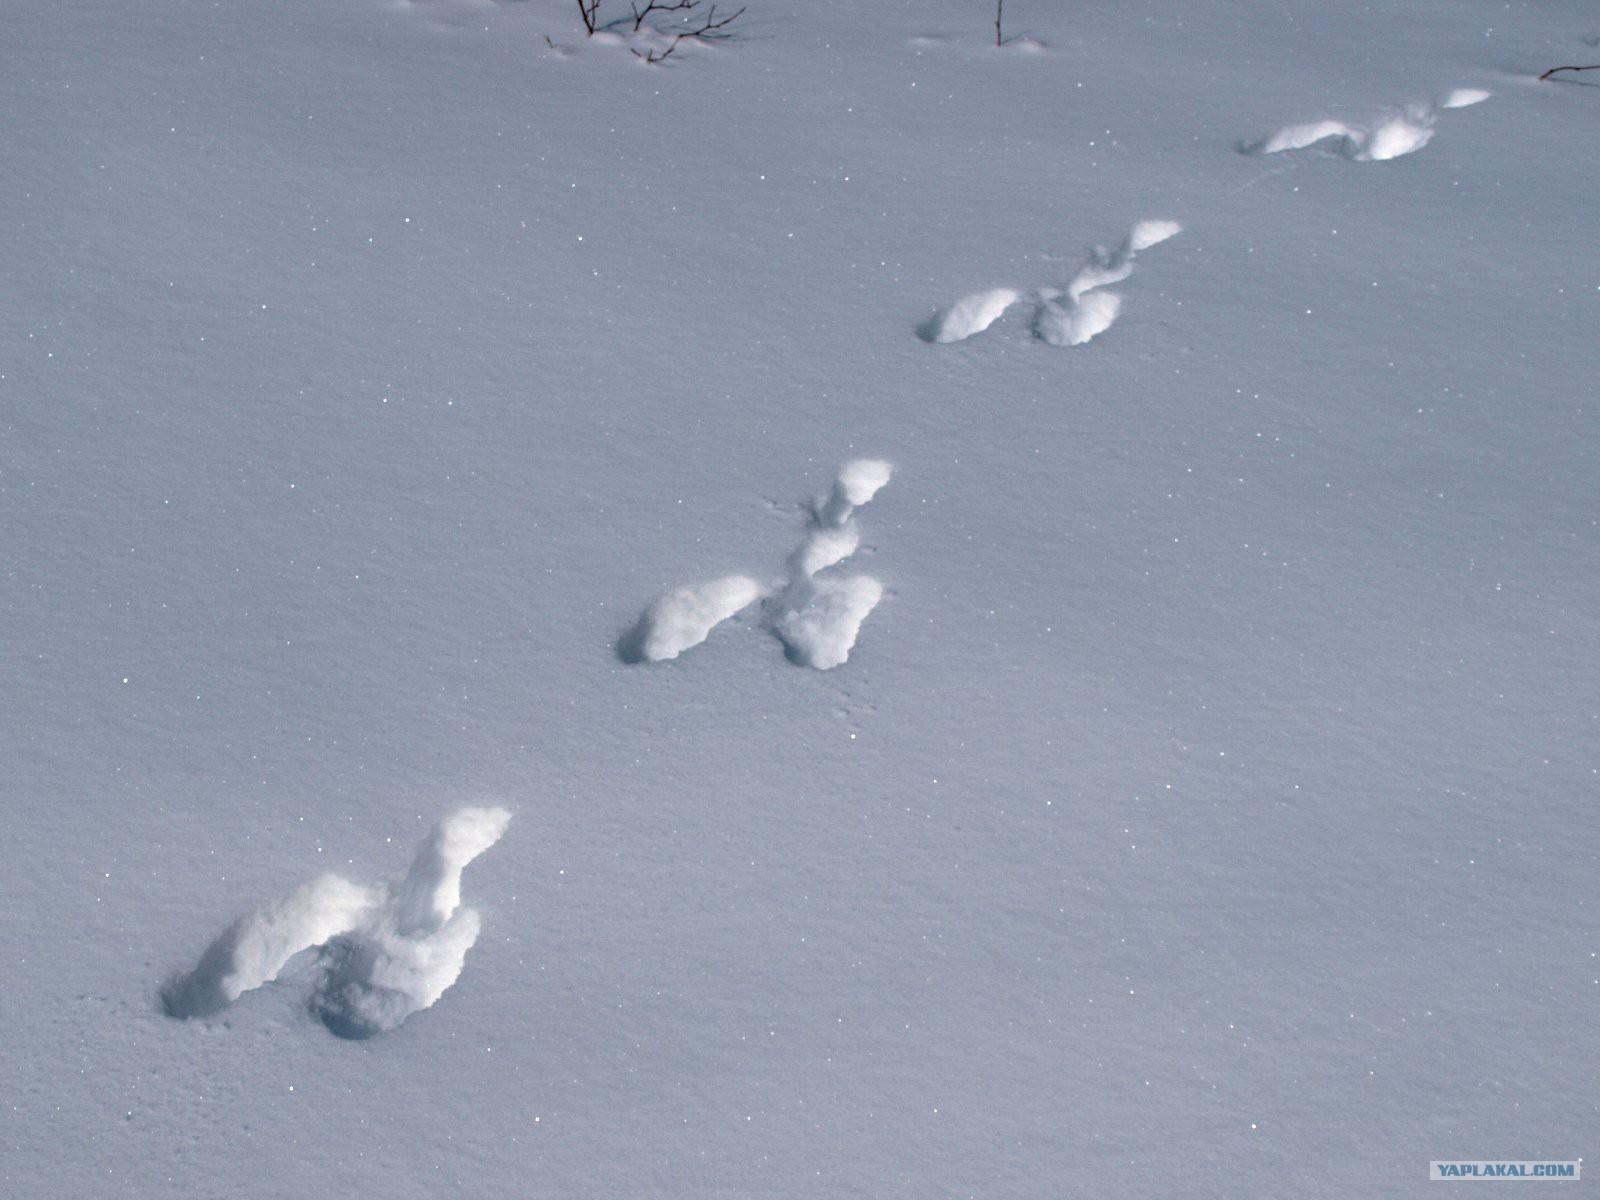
967, 316
383, 953
1067, 316
685, 617
816, 615
1396, 135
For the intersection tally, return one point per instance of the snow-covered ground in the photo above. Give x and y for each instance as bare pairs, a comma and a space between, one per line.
1206, 802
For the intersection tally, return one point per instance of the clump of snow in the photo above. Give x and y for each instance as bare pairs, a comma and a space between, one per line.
860, 479
375, 978
384, 953
818, 619
857, 483
969, 315
824, 548
1089, 312
410, 949
685, 617
1395, 137
1151, 233
1101, 270
1298, 137
1075, 324
820, 623
431, 890
255, 948
1464, 98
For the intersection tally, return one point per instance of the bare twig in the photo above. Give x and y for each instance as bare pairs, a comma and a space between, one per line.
709, 30
1553, 70
999, 13
652, 57
589, 11
657, 6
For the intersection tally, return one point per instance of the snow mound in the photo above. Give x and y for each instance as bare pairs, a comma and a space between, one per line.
685, 617
1298, 137
1100, 271
1026, 45
1151, 233
413, 947
857, 483
1464, 98
383, 953
255, 948
820, 624
1395, 137
969, 315
824, 548
1078, 323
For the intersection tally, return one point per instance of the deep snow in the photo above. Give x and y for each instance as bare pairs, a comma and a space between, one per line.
1206, 809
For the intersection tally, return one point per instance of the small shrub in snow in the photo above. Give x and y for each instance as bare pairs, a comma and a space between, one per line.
706, 27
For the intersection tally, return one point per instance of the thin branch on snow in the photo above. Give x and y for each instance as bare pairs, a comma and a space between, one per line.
657, 6
709, 30
1553, 70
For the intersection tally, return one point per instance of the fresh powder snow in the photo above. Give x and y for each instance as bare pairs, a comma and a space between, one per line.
850, 611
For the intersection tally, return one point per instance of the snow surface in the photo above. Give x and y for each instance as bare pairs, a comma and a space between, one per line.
1208, 807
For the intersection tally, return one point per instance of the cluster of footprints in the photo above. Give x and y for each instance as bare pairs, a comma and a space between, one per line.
813, 610
1398, 133
1067, 316
370, 957
1083, 310
377, 955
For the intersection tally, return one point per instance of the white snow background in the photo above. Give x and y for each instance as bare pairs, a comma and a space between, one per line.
1206, 809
